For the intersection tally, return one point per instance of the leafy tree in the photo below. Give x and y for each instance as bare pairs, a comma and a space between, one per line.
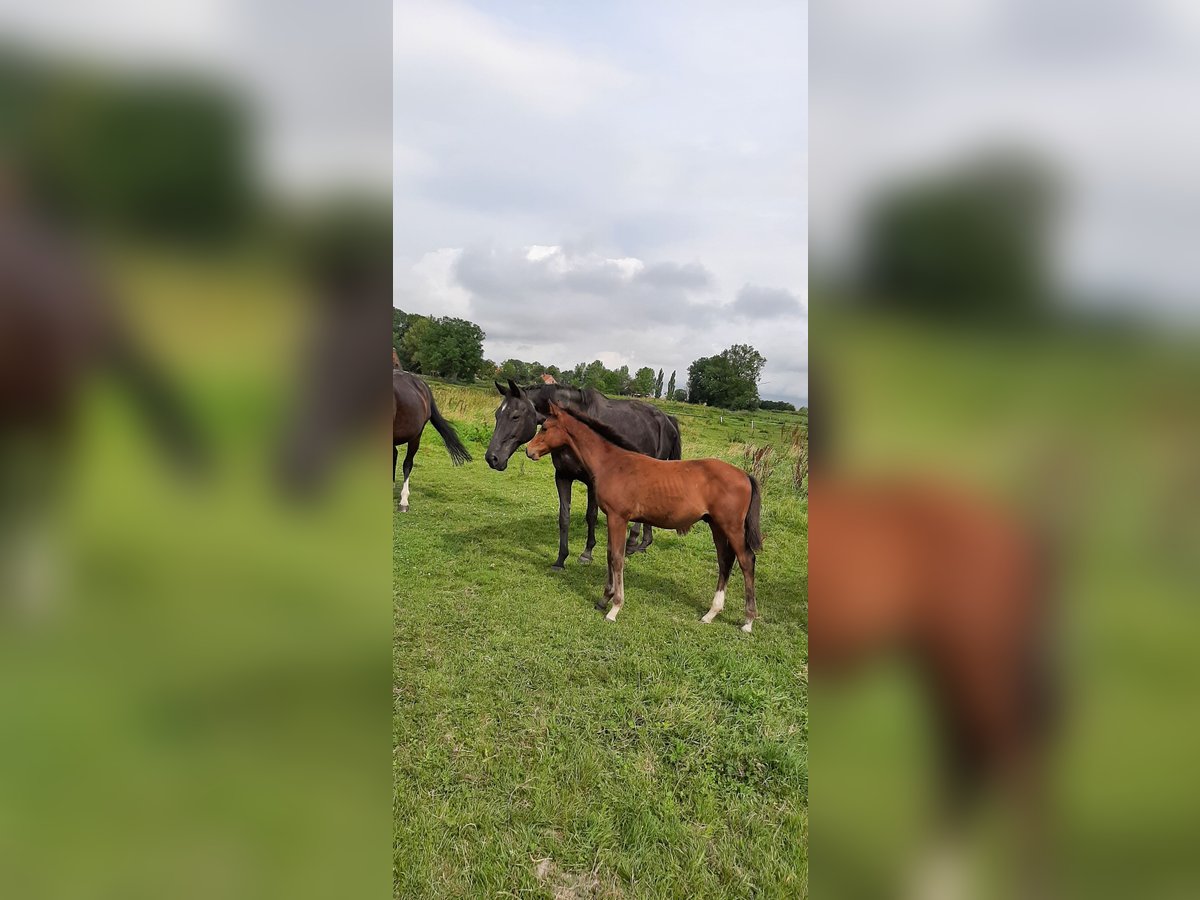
401, 322
658, 385
779, 405
446, 347
163, 158
680, 396
616, 381
970, 244
643, 382
517, 370
671, 392
728, 380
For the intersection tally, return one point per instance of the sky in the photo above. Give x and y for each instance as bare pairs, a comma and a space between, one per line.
622, 181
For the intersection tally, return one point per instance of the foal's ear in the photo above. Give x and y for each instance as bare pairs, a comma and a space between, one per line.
555, 409
514, 389
500, 389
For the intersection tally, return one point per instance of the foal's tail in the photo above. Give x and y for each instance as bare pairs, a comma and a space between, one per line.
458, 453
754, 539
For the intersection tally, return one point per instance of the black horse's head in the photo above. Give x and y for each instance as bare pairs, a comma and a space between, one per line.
516, 423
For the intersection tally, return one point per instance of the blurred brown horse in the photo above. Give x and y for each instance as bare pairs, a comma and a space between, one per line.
961, 591
412, 406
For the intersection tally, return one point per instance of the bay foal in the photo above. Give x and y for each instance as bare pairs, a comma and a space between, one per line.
631, 487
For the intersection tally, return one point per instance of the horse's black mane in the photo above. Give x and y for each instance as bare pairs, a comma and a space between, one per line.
576, 399
604, 431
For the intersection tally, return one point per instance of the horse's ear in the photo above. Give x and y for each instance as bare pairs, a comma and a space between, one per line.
514, 389
500, 389
555, 409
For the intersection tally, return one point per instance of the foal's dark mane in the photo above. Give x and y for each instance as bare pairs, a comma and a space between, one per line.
604, 431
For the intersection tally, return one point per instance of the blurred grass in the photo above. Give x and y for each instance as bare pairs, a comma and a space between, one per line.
540, 750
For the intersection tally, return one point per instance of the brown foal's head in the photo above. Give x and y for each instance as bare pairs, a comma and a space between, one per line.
553, 434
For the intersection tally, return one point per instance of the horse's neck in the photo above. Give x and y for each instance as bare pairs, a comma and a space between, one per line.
593, 451
564, 395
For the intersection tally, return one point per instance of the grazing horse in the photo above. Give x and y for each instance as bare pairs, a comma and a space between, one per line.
644, 428
412, 406
632, 487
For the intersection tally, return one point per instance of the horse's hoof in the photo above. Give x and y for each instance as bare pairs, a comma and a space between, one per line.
601, 605
612, 614
585, 558
557, 567
749, 625
404, 509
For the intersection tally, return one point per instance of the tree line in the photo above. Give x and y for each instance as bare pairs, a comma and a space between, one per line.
447, 347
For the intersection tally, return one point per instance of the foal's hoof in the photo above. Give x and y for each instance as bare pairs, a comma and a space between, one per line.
403, 509
585, 558
601, 605
748, 626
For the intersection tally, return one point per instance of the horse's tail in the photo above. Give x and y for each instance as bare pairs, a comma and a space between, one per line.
754, 539
676, 451
458, 453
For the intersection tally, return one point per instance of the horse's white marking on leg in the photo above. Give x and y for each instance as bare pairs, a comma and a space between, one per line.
718, 604
748, 626
404, 495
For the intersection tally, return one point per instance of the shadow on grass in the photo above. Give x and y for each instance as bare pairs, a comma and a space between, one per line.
531, 543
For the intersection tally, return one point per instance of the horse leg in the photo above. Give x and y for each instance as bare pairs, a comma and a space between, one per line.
586, 556
745, 558
563, 483
616, 564
647, 540
635, 535
725, 560
395, 456
413, 446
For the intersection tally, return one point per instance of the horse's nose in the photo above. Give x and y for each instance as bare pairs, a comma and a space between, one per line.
490, 457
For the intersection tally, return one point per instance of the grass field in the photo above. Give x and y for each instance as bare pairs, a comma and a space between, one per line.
541, 751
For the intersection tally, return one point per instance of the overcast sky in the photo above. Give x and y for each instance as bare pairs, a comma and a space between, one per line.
622, 181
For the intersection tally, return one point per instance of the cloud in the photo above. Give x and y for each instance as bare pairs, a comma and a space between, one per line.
755, 302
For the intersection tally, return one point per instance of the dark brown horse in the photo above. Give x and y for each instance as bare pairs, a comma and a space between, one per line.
632, 487
412, 406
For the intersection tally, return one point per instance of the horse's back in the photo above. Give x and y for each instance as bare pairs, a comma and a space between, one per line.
411, 403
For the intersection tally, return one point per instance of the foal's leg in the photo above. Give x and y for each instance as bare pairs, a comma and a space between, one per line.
563, 483
394, 456
586, 556
413, 446
616, 564
745, 558
725, 558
